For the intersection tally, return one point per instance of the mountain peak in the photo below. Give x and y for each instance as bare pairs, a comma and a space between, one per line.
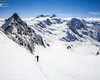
42, 15
75, 19
53, 15
15, 16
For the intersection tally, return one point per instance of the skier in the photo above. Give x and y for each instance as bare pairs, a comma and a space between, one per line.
37, 57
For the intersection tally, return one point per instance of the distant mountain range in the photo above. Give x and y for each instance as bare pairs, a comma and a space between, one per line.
45, 28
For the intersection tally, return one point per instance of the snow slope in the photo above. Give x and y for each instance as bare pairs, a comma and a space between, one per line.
78, 63
56, 62
16, 63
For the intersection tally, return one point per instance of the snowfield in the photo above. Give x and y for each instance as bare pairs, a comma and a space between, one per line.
62, 59
56, 62
71, 63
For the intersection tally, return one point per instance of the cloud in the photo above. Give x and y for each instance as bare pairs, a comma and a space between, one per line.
94, 13
92, 19
69, 15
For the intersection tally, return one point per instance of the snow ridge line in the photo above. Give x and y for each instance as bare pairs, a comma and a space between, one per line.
59, 70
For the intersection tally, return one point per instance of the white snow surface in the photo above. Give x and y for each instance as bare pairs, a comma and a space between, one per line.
55, 62
1, 22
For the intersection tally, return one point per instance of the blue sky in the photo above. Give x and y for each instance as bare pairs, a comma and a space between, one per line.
62, 8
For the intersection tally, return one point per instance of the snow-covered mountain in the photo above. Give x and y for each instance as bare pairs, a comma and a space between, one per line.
21, 33
51, 16
72, 54
84, 29
44, 29
73, 29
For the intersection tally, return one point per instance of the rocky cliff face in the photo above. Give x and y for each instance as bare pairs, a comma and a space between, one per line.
18, 30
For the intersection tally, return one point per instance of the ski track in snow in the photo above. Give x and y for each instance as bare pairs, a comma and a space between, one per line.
40, 69
59, 70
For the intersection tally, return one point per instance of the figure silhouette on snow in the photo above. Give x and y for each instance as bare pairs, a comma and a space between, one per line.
37, 57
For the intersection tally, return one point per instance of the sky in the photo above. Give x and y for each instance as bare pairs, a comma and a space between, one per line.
62, 8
